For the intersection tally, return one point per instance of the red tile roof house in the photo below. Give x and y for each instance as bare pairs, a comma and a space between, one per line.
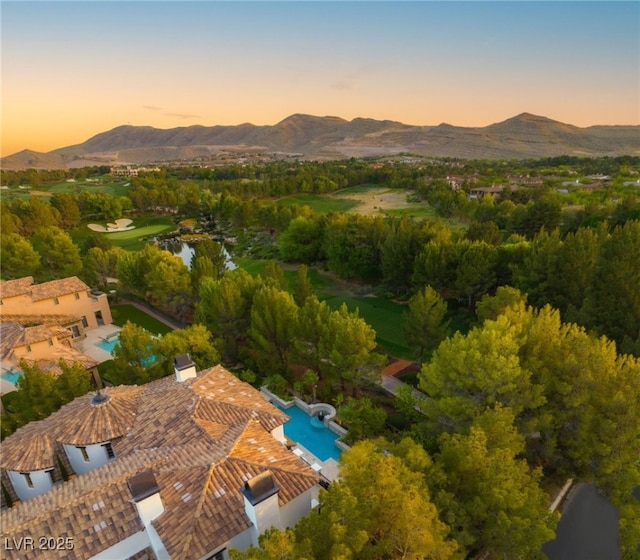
184, 467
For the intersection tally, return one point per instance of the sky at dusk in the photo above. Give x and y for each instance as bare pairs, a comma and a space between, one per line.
71, 70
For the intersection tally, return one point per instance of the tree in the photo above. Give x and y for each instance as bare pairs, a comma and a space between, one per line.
397, 255
194, 340
491, 307
225, 308
476, 270
424, 325
68, 210
488, 496
272, 328
74, 381
169, 283
273, 275
362, 419
302, 288
100, 265
58, 254
468, 374
612, 305
301, 241
214, 251
346, 351
19, 258
380, 508
313, 317
132, 356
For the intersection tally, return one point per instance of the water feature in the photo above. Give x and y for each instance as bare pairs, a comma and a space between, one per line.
186, 251
311, 433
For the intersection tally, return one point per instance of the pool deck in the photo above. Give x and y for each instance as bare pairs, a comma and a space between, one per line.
88, 345
329, 469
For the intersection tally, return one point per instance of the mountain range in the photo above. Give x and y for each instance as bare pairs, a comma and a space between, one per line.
322, 138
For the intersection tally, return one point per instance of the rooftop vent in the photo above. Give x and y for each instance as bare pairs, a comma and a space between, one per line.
143, 485
259, 488
100, 398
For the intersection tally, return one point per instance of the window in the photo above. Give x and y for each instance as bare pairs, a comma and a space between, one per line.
27, 477
108, 448
83, 450
28, 347
77, 295
85, 323
50, 473
51, 342
56, 301
76, 331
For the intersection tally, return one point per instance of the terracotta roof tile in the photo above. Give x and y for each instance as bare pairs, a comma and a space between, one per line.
31, 449
17, 287
50, 319
59, 287
201, 442
81, 422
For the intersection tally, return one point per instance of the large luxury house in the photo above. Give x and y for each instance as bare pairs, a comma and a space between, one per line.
184, 467
42, 323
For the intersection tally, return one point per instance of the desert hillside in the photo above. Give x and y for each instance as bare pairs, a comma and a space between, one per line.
310, 137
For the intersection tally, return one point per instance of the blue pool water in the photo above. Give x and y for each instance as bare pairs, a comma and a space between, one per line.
12, 376
109, 345
318, 440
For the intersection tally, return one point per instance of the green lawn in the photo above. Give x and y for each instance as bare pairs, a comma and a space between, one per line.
119, 188
358, 189
123, 313
384, 316
130, 240
322, 204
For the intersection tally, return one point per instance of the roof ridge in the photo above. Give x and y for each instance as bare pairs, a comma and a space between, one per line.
198, 509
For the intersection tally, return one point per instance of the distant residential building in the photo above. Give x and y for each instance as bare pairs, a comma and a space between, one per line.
185, 467
479, 192
42, 323
67, 296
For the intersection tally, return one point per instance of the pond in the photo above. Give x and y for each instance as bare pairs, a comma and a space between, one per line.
186, 250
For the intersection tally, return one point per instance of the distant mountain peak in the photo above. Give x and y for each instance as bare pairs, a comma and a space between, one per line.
313, 137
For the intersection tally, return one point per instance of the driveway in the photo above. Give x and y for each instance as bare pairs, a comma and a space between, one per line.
588, 529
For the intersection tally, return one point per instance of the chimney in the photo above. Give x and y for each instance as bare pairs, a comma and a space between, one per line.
261, 502
184, 367
146, 495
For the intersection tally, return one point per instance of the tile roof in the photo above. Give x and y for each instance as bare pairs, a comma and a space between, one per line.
203, 439
30, 320
17, 287
60, 287
31, 449
84, 422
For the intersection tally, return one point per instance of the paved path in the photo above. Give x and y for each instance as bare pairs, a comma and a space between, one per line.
391, 385
588, 529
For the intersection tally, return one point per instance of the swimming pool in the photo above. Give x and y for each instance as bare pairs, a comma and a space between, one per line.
12, 376
109, 345
318, 439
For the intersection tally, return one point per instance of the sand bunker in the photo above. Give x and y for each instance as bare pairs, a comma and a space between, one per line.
376, 200
123, 224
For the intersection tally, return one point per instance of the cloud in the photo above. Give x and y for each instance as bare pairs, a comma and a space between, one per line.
352, 80
152, 108
182, 115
